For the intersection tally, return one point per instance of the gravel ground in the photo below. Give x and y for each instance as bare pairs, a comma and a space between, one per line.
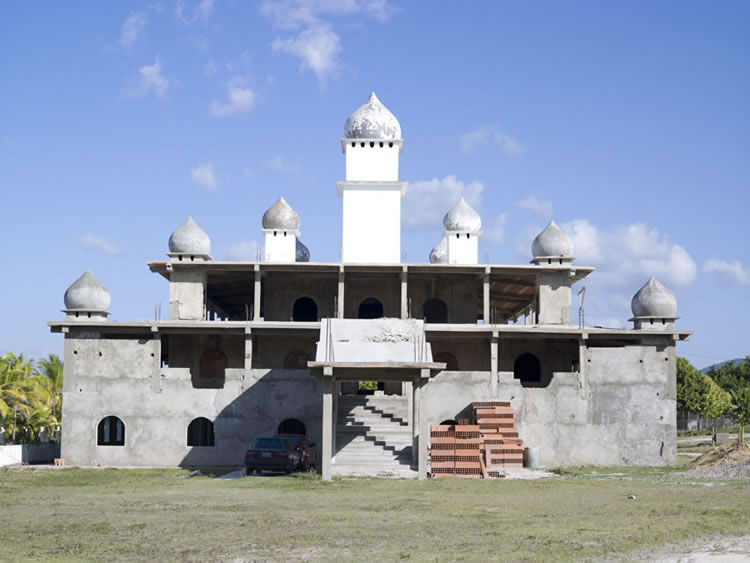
735, 470
724, 549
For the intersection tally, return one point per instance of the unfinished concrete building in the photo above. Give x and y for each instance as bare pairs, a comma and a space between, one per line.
281, 345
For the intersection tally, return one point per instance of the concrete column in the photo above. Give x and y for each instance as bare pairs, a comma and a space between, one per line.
493, 365
156, 369
423, 436
336, 392
583, 367
256, 294
248, 348
327, 426
414, 418
341, 293
486, 296
404, 293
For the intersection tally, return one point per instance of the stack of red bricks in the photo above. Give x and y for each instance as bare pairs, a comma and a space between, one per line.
468, 450
502, 446
456, 451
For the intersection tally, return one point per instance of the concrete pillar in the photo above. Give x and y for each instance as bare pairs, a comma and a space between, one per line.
327, 426
404, 293
486, 296
341, 295
156, 354
256, 294
248, 349
414, 418
423, 436
493, 365
336, 392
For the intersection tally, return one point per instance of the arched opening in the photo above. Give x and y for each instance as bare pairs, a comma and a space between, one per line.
371, 308
292, 426
449, 422
435, 311
296, 359
201, 432
528, 370
110, 432
305, 309
451, 364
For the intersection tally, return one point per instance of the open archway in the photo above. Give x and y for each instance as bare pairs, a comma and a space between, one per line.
201, 432
528, 370
292, 426
305, 309
435, 311
451, 364
110, 432
370, 308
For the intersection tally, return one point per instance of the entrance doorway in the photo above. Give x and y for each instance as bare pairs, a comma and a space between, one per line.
370, 308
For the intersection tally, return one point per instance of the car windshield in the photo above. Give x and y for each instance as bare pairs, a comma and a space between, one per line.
269, 444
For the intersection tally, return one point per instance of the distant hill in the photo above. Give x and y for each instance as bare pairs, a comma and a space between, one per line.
734, 362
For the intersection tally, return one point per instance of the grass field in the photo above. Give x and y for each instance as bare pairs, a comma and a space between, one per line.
107, 514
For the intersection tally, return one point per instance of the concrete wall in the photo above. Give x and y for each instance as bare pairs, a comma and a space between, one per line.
460, 295
187, 290
384, 287
281, 290
619, 410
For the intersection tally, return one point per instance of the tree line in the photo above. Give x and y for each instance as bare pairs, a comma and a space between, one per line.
30, 398
723, 390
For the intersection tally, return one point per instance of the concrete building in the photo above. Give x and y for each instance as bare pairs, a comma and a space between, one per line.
279, 345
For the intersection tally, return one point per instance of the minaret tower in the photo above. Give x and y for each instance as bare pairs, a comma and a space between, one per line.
371, 192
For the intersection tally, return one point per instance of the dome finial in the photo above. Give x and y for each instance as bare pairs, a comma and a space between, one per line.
190, 240
372, 120
654, 300
281, 217
463, 219
87, 296
552, 245
439, 254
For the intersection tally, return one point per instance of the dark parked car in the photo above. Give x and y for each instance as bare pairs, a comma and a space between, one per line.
305, 448
272, 454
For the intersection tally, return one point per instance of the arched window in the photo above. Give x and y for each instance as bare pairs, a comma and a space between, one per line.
371, 308
527, 369
292, 426
450, 422
435, 311
201, 432
212, 365
305, 309
451, 364
296, 359
110, 432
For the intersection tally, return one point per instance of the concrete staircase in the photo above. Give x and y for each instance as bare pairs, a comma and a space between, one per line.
373, 437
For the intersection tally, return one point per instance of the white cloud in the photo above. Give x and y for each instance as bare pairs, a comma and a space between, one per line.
731, 272
132, 28
200, 12
427, 201
241, 99
539, 206
490, 135
100, 244
203, 174
318, 47
280, 164
150, 80
243, 251
316, 43
494, 233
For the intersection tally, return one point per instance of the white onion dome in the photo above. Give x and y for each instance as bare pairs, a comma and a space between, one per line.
281, 217
189, 238
439, 254
302, 252
552, 241
462, 218
372, 120
654, 300
87, 294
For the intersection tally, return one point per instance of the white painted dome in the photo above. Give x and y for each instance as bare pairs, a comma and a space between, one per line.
552, 241
439, 254
302, 254
87, 294
281, 217
462, 218
372, 120
189, 238
654, 300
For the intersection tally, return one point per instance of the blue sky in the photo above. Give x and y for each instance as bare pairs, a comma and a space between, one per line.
625, 122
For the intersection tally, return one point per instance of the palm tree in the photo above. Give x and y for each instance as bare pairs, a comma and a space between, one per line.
50, 369
17, 391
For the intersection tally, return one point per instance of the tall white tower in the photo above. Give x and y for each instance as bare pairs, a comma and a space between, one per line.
371, 192
462, 226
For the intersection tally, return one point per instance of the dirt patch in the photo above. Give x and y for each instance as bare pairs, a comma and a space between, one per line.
721, 548
723, 462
